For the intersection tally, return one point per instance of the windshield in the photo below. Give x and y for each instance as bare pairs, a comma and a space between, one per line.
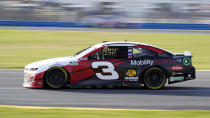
84, 52
81, 51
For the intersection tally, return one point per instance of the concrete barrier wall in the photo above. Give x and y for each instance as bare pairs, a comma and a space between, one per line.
184, 26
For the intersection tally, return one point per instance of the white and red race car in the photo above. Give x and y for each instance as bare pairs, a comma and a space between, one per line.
112, 63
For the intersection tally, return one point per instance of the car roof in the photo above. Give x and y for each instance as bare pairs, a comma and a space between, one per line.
121, 43
125, 43
114, 43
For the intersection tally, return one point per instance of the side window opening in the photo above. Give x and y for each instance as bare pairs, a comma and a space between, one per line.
115, 52
139, 52
165, 55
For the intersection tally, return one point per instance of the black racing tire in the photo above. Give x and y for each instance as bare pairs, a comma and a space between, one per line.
154, 78
56, 77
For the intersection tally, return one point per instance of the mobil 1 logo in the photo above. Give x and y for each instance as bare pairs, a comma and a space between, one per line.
186, 61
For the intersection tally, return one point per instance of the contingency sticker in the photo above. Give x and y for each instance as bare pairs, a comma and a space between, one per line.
130, 52
186, 61
175, 79
131, 75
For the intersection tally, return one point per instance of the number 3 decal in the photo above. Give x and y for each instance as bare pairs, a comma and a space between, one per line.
107, 68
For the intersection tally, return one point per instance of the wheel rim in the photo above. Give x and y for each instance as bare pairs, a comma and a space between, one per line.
56, 78
155, 78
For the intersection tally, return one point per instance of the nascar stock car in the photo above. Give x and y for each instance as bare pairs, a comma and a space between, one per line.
112, 63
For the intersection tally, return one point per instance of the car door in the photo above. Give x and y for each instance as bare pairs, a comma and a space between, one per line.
107, 63
139, 59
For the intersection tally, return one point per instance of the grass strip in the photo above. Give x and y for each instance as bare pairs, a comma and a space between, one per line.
38, 112
19, 47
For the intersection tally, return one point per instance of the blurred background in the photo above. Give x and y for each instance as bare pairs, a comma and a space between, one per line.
40, 38
107, 12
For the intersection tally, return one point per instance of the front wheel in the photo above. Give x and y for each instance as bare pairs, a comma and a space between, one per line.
56, 77
154, 78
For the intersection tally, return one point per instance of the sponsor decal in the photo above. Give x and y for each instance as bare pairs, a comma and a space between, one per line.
174, 79
179, 60
167, 61
131, 73
177, 68
189, 75
129, 57
131, 78
73, 63
130, 50
84, 58
130, 54
29, 77
141, 62
186, 61
175, 73
56, 64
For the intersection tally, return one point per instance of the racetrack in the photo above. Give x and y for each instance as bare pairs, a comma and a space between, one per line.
194, 94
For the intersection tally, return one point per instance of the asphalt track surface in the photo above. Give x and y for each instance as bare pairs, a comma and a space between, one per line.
172, 31
193, 94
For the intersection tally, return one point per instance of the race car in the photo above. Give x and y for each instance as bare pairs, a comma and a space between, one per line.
112, 64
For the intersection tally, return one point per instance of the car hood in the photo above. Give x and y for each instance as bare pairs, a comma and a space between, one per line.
60, 61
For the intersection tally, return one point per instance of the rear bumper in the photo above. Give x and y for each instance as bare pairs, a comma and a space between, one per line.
182, 76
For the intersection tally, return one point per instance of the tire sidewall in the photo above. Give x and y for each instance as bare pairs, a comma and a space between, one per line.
48, 84
147, 85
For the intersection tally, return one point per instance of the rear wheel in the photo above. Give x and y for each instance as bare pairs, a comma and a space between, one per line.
56, 77
154, 78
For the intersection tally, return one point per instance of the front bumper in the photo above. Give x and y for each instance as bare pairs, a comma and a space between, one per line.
33, 80
34, 84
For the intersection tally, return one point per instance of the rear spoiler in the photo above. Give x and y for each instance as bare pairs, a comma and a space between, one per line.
187, 53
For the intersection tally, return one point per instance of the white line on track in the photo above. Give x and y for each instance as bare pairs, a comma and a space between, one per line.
81, 108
